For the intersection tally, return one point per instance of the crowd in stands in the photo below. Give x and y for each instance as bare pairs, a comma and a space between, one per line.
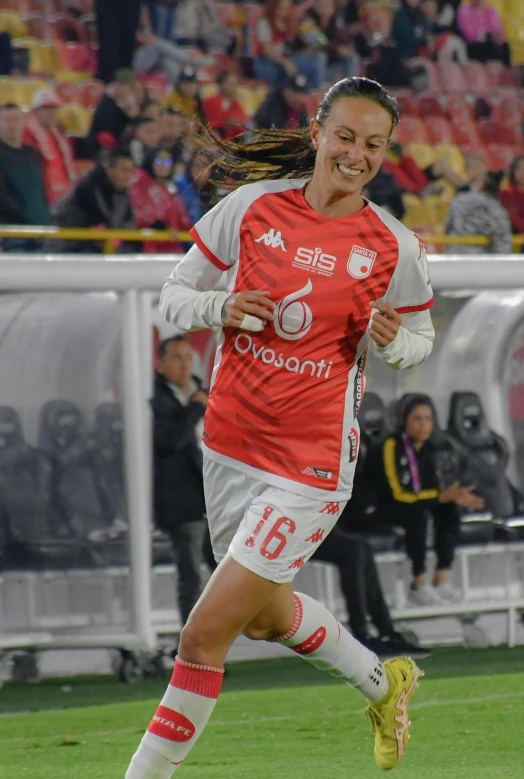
112, 95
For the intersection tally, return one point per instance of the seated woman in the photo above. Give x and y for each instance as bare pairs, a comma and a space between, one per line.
513, 197
156, 203
404, 472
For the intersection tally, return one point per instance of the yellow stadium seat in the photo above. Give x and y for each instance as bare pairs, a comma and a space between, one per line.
453, 156
29, 88
11, 91
517, 54
75, 119
250, 99
12, 23
416, 213
208, 90
423, 154
37, 61
513, 9
437, 209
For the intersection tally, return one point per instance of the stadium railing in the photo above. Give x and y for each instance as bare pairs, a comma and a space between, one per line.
110, 238
134, 278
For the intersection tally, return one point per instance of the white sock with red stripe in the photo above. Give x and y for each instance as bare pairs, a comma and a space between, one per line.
179, 720
319, 638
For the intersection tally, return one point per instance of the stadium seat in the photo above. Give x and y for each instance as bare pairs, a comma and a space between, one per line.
109, 460
458, 108
477, 78
11, 91
430, 105
75, 119
416, 213
437, 210
438, 130
453, 156
410, 129
88, 22
92, 93
491, 132
433, 76
67, 29
499, 74
508, 110
465, 132
451, 76
12, 5
423, 154
407, 103
250, 99
12, 23
499, 156
37, 26
69, 92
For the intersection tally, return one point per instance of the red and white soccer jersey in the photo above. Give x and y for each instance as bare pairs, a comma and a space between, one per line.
284, 401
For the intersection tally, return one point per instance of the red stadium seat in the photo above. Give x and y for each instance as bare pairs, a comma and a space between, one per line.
451, 77
410, 130
508, 110
13, 5
69, 92
37, 26
439, 130
458, 108
499, 74
91, 93
42, 7
88, 22
430, 105
477, 78
491, 132
465, 133
499, 157
407, 103
432, 72
66, 28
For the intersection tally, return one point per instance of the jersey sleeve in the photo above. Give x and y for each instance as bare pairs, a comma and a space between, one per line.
410, 287
217, 233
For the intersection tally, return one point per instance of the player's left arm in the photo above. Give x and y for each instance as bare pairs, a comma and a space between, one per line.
401, 327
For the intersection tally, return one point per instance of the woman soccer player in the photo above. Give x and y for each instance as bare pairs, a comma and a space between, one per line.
315, 275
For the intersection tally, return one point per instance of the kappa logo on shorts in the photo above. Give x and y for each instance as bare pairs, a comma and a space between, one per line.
317, 537
330, 508
298, 563
319, 472
360, 262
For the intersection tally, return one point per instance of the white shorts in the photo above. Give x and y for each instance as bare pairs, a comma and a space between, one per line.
269, 531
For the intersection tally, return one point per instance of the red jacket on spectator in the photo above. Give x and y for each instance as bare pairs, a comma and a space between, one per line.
512, 199
155, 206
225, 117
407, 173
58, 165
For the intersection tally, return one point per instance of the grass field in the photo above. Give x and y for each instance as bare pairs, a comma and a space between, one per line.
277, 719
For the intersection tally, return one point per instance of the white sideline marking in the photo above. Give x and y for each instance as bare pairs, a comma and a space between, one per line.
261, 720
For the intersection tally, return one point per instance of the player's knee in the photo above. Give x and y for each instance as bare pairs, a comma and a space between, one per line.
196, 642
259, 631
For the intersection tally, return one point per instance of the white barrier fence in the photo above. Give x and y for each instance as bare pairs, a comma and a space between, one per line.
134, 278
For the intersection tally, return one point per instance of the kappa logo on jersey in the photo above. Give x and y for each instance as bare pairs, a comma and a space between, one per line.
273, 239
292, 317
315, 261
360, 262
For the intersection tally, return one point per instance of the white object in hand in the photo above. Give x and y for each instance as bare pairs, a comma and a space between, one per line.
252, 323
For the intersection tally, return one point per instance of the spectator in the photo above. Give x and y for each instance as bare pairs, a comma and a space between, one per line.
145, 135
481, 27
42, 133
99, 200
22, 191
447, 12
173, 129
480, 212
222, 112
117, 25
351, 16
156, 55
284, 106
329, 29
441, 42
151, 110
156, 204
178, 407
413, 179
476, 170
115, 111
385, 192
408, 29
194, 185
404, 472
162, 17
277, 58
185, 97
512, 198
198, 24
362, 591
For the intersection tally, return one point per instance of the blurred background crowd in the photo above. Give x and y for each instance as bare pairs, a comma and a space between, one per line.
103, 104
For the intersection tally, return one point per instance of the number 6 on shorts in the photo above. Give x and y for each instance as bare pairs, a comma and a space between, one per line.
274, 533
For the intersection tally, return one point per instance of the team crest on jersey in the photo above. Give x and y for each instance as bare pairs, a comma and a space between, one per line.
360, 262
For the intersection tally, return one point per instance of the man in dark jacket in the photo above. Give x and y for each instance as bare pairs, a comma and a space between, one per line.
22, 192
284, 106
178, 406
114, 113
100, 199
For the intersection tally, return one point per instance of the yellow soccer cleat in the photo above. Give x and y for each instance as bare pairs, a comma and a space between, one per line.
389, 717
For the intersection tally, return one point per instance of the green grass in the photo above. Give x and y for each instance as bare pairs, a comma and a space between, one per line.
277, 719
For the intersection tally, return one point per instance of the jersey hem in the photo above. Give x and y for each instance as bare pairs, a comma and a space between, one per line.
297, 488
411, 309
206, 251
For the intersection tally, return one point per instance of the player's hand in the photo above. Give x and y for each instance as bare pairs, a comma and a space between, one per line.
384, 324
199, 397
450, 494
243, 309
468, 500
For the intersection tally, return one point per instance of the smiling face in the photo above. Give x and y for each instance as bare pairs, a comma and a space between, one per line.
350, 145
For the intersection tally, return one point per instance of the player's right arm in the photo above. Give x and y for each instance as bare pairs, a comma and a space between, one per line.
189, 298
